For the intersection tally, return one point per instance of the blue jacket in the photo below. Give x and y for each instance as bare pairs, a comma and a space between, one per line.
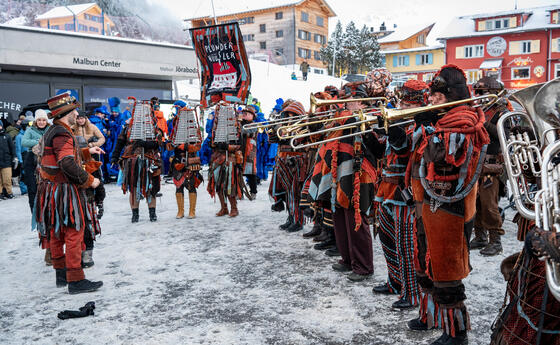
19, 147
206, 151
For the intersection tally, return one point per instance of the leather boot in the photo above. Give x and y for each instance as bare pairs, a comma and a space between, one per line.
224, 210
289, 222
294, 227
316, 230
480, 239
323, 236
153, 216
61, 277
180, 197
494, 247
135, 215
460, 338
192, 205
83, 285
330, 242
48, 259
233, 202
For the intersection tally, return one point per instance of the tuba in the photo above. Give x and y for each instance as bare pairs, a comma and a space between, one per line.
533, 151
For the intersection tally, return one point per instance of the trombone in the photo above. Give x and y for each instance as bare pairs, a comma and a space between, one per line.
391, 117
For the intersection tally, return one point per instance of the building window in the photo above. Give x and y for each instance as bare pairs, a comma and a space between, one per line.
247, 20
317, 55
82, 27
473, 76
304, 53
421, 39
304, 35
557, 70
262, 28
249, 37
279, 51
497, 24
69, 27
305, 17
400, 60
474, 51
93, 29
525, 47
427, 77
262, 45
521, 73
318, 71
279, 15
55, 27
320, 21
279, 33
423, 59
319, 39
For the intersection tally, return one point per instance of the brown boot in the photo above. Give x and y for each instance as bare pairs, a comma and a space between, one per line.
192, 205
180, 205
233, 202
48, 259
494, 246
480, 239
224, 210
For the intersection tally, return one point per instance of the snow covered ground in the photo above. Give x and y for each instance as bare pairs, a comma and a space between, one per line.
212, 281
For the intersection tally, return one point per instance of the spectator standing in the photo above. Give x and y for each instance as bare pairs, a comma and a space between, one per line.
21, 152
304, 68
7, 158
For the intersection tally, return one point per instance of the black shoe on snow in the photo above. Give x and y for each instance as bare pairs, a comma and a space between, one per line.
383, 289
277, 207
82, 286
492, 249
61, 277
332, 252
402, 304
294, 227
341, 267
9, 196
153, 216
459, 339
135, 215
100, 210
315, 231
478, 243
288, 223
417, 325
355, 277
325, 245
322, 237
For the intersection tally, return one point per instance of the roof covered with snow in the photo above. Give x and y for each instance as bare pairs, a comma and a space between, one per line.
227, 7
464, 26
404, 32
65, 11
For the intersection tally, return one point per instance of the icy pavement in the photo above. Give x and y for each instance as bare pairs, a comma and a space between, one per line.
212, 281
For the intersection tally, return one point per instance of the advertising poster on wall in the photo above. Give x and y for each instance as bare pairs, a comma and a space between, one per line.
224, 67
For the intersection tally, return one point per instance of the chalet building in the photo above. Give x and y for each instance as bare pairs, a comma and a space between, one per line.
286, 33
519, 47
407, 54
84, 18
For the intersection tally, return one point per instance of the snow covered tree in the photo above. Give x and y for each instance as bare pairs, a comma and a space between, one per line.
367, 52
334, 45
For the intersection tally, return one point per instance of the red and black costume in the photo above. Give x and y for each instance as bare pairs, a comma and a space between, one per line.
185, 170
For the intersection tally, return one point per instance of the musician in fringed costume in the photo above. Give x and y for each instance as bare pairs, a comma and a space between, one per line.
61, 209
141, 166
488, 223
289, 174
225, 174
451, 160
185, 166
249, 149
395, 207
343, 179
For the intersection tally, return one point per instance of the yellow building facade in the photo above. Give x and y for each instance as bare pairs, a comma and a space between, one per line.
415, 63
85, 18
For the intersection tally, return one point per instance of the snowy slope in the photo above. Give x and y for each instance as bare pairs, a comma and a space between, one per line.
271, 81
212, 281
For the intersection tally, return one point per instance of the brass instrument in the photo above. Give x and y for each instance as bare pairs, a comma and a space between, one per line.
391, 117
522, 156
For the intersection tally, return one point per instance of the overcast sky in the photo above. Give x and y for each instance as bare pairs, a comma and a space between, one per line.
374, 12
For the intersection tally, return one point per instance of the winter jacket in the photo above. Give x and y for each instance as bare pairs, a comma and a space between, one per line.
32, 135
7, 150
12, 131
161, 123
19, 148
99, 123
89, 131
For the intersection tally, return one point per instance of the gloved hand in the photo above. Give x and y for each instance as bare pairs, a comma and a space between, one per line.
428, 118
83, 312
397, 136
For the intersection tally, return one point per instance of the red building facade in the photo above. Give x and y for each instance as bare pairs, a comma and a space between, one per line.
521, 48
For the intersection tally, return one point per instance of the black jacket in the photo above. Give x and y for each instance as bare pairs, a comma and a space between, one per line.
7, 150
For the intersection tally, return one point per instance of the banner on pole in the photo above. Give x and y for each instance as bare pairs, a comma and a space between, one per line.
224, 66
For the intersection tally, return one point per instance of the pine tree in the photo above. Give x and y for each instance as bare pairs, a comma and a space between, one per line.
368, 55
352, 44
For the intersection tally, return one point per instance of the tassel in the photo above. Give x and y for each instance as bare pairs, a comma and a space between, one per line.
356, 200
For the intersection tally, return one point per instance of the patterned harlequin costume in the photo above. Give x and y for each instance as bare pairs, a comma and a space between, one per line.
343, 179
451, 159
61, 210
288, 176
225, 174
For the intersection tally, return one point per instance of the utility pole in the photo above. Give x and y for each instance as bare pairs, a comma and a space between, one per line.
333, 58
214, 11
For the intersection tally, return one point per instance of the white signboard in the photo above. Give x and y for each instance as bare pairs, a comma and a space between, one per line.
496, 46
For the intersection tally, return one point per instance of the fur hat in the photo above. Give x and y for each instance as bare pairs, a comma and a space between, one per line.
415, 92
61, 105
451, 81
102, 110
295, 107
488, 84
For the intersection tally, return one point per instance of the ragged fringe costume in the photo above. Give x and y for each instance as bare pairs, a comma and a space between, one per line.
289, 174
451, 160
61, 209
396, 220
343, 179
185, 170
